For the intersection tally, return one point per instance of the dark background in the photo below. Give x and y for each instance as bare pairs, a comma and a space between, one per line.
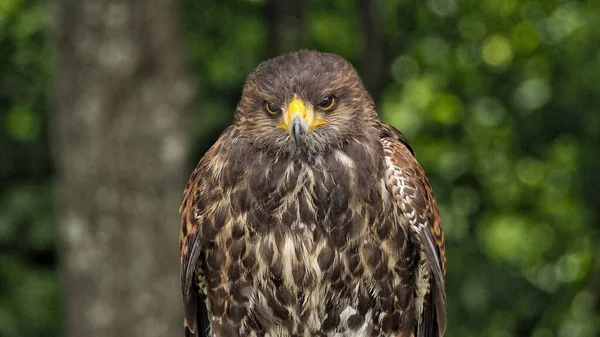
106, 106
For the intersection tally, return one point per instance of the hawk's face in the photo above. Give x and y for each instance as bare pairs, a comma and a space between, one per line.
304, 103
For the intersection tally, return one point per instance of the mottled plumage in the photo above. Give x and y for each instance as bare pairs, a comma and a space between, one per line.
310, 217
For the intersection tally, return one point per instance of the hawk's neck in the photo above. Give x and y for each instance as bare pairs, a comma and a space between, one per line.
298, 193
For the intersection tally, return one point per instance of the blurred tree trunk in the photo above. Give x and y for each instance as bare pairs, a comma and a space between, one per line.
286, 25
120, 148
374, 63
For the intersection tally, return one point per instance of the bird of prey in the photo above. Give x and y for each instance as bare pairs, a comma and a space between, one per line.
310, 217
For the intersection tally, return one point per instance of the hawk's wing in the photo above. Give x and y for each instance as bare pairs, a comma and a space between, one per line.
406, 181
190, 248
193, 209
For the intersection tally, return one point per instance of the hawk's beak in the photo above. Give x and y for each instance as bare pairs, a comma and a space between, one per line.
299, 127
299, 120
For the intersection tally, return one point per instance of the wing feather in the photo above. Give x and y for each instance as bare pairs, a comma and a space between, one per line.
192, 211
408, 184
190, 248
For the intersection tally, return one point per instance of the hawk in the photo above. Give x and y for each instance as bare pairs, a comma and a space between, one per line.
309, 216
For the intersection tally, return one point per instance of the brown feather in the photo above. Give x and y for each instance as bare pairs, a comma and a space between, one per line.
407, 182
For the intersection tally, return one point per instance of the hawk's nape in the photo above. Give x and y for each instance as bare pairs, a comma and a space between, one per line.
310, 217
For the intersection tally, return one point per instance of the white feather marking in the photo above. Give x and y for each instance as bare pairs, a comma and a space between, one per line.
344, 159
365, 329
384, 192
345, 315
422, 280
288, 171
288, 260
396, 182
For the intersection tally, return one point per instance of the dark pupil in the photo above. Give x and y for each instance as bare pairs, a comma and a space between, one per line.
325, 103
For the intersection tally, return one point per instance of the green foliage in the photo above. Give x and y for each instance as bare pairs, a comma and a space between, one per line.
28, 276
499, 98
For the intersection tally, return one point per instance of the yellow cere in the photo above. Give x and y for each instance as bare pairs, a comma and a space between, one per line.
297, 106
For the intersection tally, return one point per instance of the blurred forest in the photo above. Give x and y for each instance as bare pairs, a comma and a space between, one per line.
499, 99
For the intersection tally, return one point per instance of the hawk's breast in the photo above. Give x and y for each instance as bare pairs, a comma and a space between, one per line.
309, 248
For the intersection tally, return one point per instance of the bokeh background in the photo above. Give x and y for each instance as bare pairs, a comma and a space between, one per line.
106, 102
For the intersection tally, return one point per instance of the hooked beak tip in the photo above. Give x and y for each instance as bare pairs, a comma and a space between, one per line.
298, 128
296, 133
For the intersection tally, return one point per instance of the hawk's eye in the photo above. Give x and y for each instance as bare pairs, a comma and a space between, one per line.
327, 103
273, 110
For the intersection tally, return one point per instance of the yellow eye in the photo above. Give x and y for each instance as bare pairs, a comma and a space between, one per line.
272, 109
327, 103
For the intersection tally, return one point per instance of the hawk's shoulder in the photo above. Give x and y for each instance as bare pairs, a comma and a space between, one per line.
409, 186
201, 192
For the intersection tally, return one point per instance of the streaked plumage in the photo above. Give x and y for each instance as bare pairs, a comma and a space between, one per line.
312, 222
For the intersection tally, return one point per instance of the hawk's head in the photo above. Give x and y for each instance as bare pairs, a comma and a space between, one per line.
304, 102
